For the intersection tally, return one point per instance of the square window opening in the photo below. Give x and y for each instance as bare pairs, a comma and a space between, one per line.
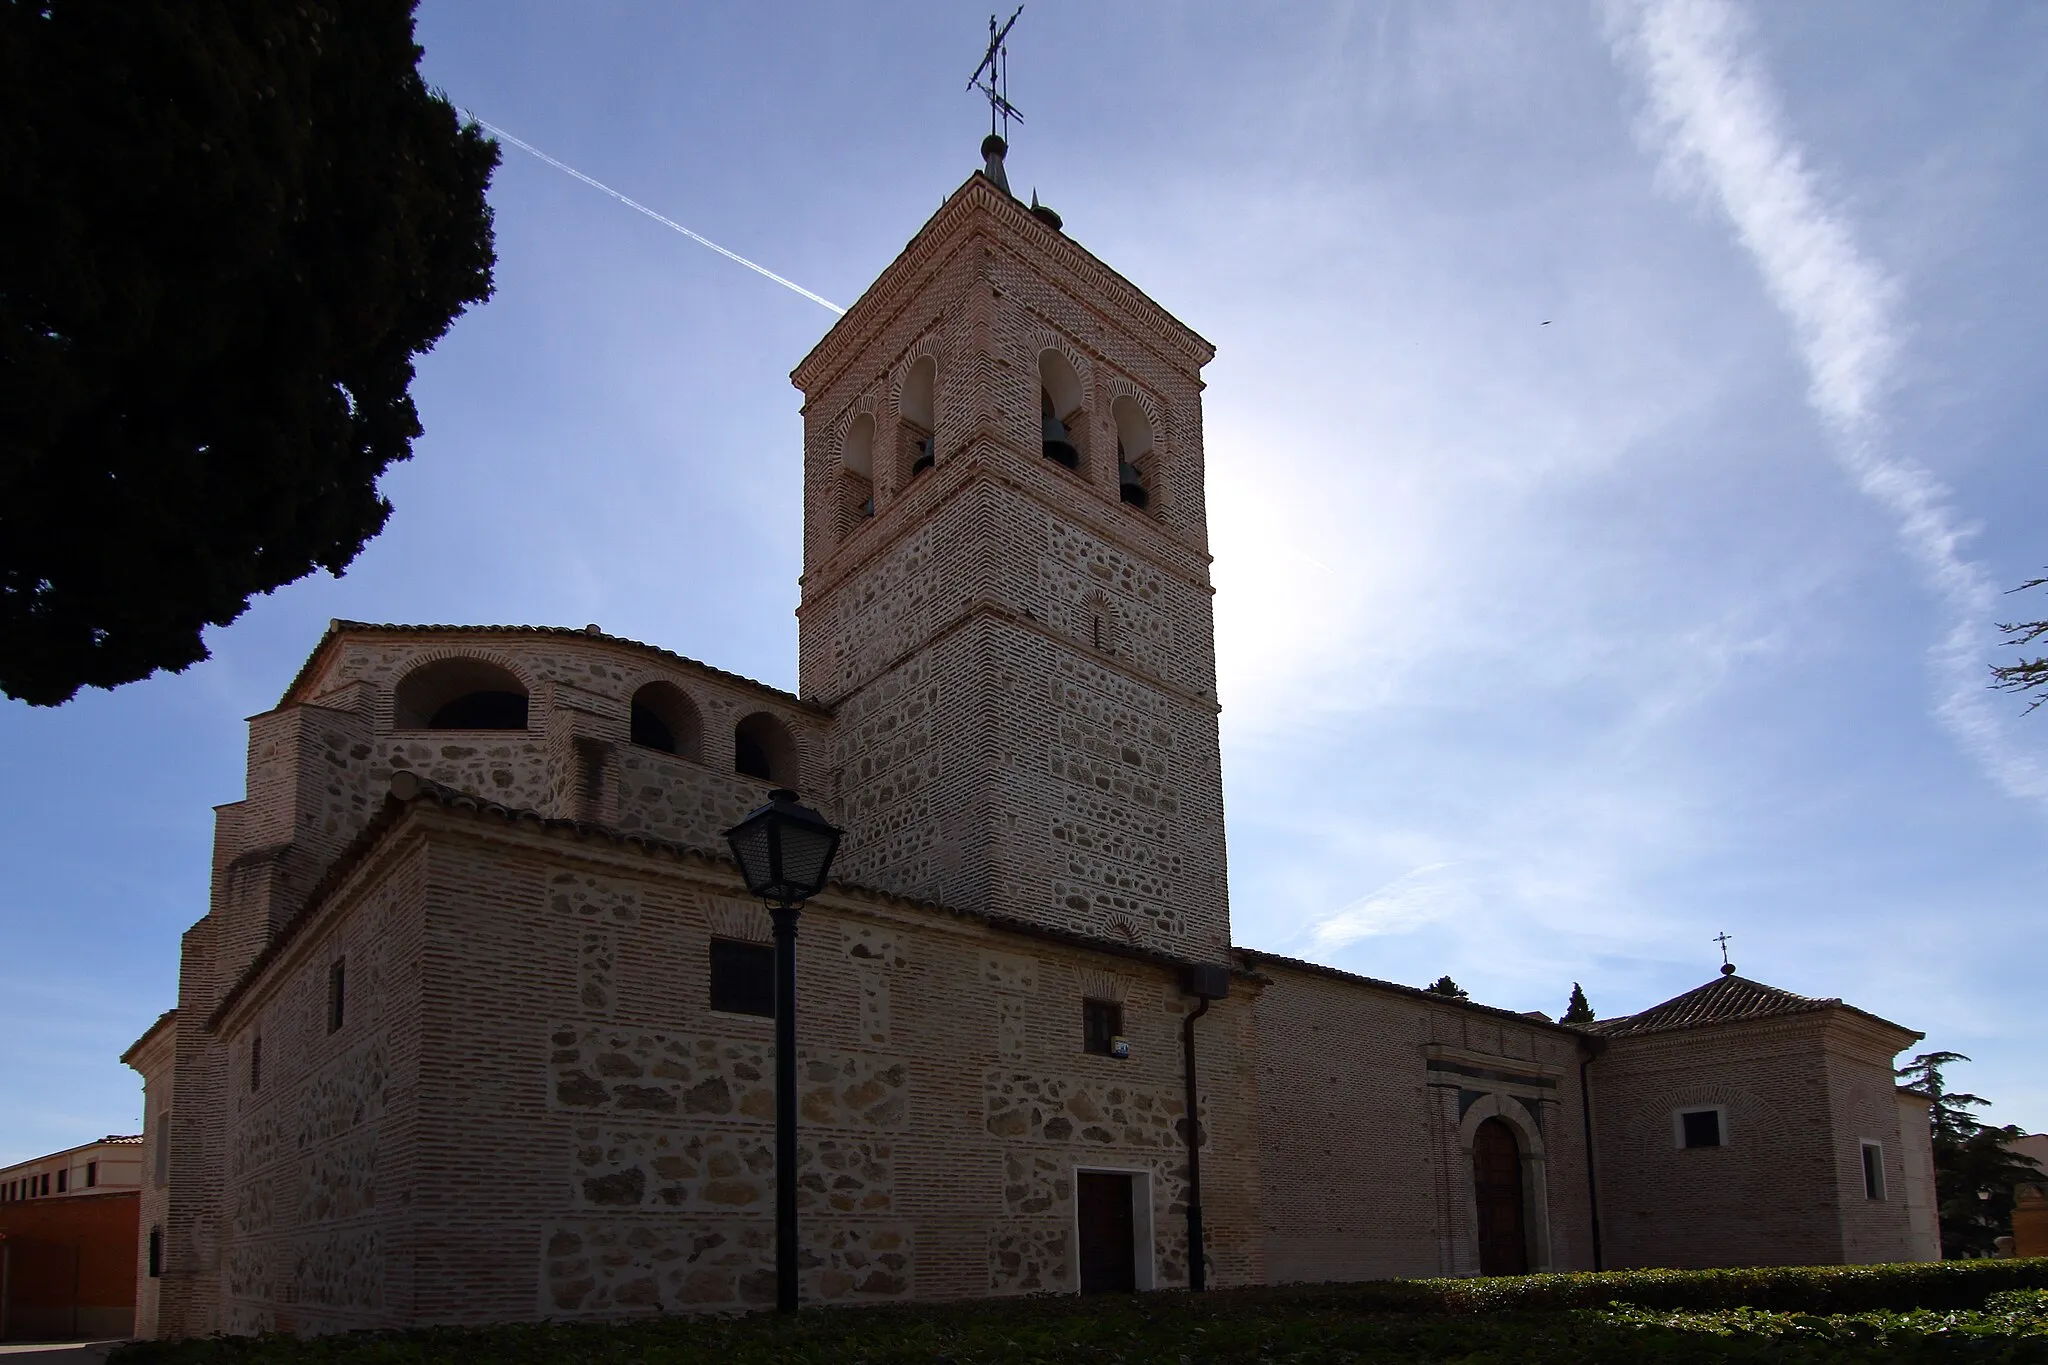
1700, 1127
1102, 1023
742, 978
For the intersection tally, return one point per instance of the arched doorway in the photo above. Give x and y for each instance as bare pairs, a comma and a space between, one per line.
1497, 1181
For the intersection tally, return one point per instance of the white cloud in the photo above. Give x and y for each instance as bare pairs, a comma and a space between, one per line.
1715, 122
1421, 896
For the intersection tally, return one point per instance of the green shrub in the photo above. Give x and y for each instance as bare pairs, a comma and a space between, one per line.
1785, 1289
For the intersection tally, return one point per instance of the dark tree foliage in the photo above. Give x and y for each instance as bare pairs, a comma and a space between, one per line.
2026, 675
1443, 985
1974, 1170
1576, 1010
229, 227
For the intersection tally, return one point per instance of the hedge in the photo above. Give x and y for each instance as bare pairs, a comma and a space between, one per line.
1784, 1289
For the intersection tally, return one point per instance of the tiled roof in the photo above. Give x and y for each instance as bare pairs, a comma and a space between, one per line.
161, 1021
1722, 1000
1254, 957
409, 787
125, 1139
341, 627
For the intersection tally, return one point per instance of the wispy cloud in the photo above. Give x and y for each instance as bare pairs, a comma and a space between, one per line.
1418, 897
1714, 121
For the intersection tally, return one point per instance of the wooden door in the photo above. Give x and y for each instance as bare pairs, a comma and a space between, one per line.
1497, 1180
1108, 1246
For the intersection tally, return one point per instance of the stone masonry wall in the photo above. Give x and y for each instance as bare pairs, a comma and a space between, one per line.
594, 1139
1364, 1172
1022, 665
320, 1156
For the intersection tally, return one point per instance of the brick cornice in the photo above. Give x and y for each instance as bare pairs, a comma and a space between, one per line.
979, 199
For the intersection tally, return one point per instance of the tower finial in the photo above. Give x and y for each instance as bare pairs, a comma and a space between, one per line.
1727, 967
996, 62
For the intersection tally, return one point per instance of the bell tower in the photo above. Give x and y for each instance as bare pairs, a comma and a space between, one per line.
1006, 595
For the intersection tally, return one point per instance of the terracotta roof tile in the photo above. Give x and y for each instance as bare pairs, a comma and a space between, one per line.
1720, 1001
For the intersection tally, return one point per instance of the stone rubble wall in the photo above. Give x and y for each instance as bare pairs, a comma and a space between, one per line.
319, 1157
604, 1160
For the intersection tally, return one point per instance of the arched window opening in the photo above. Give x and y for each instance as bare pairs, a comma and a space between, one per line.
1059, 409
1133, 452
857, 474
460, 694
919, 422
665, 718
762, 748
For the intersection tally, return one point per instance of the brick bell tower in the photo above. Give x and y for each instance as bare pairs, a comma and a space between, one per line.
1006, 593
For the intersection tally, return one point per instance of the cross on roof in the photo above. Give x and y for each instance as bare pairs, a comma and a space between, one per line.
1722, 938
996, 62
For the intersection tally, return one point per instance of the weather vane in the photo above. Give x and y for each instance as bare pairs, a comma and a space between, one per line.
996, 63
1722, 938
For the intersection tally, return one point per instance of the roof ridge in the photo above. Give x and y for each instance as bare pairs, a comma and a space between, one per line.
339, 625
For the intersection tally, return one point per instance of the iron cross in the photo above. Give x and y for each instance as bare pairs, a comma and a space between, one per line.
996, 62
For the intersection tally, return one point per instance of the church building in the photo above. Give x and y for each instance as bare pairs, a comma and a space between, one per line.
476, 1025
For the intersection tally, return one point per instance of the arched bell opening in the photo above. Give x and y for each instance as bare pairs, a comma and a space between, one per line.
857, 474
1060, 414
1134, 453
664, 718
460, 694
763, 748
918, 423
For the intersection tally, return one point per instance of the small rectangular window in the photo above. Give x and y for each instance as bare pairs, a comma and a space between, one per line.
742, 978
156, 1251
1102, 1022
255, 1063
64, 1178
46, 1183
337, 993
1873, 1170
92, 1174
1701, 1127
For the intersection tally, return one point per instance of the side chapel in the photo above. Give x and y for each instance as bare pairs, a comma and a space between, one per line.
475, 1027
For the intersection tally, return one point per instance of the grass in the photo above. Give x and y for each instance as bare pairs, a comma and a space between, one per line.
1400, 1321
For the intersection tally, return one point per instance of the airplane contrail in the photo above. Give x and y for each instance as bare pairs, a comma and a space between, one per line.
697, 237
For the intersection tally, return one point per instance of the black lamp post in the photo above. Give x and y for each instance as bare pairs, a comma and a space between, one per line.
784, 850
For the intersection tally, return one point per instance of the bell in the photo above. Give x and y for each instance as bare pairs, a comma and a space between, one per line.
1057, 446
1131, 484
867, 509
924, 458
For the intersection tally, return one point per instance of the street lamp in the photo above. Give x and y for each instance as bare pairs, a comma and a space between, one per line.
784, 850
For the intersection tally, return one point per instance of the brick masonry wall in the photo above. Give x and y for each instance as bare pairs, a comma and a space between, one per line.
1916, 1157
1022, 665
1364, 1092
578, 1133
1770, 1196
1863, 1104
320, 1159
155, 1062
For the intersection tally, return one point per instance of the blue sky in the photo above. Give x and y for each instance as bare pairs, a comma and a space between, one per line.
1547, 651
